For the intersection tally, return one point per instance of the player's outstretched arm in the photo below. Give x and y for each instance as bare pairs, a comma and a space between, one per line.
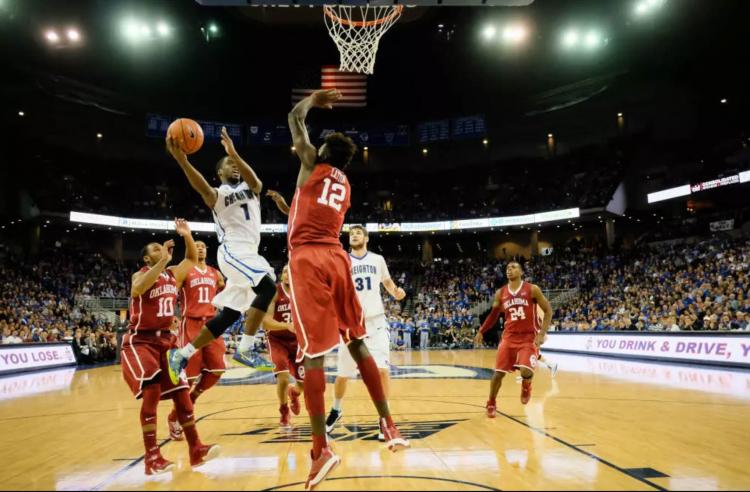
247, 173
196, 179
143, 281
543, 303
279, 201
181, 270
306, 151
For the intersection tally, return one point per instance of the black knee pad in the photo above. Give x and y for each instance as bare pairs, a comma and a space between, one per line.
219, 323
264, 292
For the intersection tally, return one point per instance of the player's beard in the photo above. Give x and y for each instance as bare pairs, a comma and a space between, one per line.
233, 181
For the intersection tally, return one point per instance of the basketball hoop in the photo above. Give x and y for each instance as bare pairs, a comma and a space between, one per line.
357, 32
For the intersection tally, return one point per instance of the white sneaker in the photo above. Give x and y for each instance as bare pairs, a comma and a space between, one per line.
553, 369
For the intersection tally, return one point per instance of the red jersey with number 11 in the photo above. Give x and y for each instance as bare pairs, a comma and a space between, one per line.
519, 308
317, 212
154, 309
197, 292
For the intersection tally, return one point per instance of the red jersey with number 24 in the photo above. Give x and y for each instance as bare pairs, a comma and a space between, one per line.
197, 292
519, 309
154, 309
317, 212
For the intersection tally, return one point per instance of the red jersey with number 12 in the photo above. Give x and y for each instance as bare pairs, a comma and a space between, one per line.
154, 309
282, 314
317, 212
197, 292
520, 313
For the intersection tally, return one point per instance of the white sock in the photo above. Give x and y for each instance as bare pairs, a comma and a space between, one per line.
337, 404
246, 343
187, 351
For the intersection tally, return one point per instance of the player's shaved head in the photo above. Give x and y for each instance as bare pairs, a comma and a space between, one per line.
515, 263
338, 150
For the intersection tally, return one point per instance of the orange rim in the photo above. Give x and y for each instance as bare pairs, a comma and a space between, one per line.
329, 12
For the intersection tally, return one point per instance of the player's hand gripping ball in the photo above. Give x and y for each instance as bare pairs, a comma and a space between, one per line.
187, 134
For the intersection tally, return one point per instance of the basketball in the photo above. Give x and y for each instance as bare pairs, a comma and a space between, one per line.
528, 220
187, 133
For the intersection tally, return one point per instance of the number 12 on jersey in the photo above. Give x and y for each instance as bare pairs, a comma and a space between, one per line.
333, 194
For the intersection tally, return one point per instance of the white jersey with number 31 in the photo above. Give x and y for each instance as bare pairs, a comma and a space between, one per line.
368, 272
237, 217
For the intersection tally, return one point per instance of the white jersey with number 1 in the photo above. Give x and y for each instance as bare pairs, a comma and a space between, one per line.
368, 272
237, 222
237, 217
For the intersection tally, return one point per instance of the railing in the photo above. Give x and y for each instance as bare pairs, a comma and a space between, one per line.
103, 303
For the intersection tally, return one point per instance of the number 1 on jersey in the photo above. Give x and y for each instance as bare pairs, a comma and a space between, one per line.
247, 212
333, 194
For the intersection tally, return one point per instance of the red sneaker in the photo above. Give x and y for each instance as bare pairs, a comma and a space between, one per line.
156, 464
321, 467
393, 437
202, 453
285, 421
491, 408
175, 429
525, 391
293, 399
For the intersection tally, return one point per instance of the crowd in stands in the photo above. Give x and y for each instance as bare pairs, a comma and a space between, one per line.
702, 285
698, 286
38, 302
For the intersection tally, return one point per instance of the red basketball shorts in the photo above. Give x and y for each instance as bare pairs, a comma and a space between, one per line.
144, 359
515, 354
283, 355
208, 359
325, 307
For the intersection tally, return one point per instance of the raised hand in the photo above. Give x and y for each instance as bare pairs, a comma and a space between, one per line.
166, 251
275, 196
227, 142
174, 149
182, 227
325, 98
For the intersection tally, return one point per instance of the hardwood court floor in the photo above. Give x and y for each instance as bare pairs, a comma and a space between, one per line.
600, 424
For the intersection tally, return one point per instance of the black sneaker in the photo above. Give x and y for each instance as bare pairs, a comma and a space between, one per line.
381, 436
333, 419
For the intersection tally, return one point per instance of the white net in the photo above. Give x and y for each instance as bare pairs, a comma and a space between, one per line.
357, 30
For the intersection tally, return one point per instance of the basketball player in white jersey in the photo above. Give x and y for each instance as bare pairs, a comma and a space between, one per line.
251, 281
368, 272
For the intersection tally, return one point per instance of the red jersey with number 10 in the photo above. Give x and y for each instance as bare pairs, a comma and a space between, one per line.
154, 309
520, 313
317, 212
197, 292
282, 314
